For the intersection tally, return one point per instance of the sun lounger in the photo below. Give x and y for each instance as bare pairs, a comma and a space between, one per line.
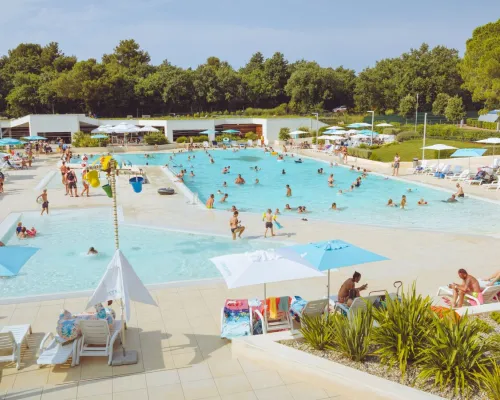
493, 185
11, 340
301, 307
477, 310
490, 294
235, 319
97, 339
420, 168
52, 352
458, 176
277, 314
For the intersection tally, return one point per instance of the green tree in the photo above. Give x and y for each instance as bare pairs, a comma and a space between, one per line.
455, 110
284, 134
407, 106
23, 98
440, 104
480, 67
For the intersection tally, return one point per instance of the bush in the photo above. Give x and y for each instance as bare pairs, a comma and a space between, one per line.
351, 336
360, 153
282, 109
317, 331
82, 139
484, 326
155, 138
490, 381
181, 139
391, 131
284, 134
407, 135
251, 136
456, 354
481, 124
404, 328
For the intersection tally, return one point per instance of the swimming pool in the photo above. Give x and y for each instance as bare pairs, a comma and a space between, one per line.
364, 205
157, 255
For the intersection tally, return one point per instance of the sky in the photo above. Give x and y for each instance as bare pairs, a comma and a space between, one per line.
354, 34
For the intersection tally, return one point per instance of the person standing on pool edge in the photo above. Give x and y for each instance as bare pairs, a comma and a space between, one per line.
268, 218
45, 204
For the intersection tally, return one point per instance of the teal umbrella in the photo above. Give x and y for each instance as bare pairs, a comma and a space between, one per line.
13, 258
209, 131
334, 254
468, 153
230, 131
34, 138
10, 142
99, 136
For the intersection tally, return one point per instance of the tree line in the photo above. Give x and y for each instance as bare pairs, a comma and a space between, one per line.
42, 79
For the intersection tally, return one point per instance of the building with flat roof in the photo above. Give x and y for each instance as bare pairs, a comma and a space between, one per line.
64, 126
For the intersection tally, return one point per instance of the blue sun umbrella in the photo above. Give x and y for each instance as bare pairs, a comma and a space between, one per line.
468, 153
99, 136
335, 254
231, 131
209, 132
34, 138
10, 142
13, 258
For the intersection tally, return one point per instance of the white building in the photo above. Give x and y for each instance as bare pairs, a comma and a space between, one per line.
52, 126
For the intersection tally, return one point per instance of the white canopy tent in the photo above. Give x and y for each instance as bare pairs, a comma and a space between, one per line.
296, 134
491, 140
439, 147
148, 129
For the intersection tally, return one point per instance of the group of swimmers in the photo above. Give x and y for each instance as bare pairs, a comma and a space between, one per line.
23, 233
423, 202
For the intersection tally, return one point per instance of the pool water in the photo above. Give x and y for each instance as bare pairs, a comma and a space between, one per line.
157, 255
364, 205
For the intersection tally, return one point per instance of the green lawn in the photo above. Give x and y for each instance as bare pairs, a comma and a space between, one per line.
413, 148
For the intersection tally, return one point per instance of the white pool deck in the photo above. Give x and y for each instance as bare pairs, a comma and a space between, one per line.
181, 354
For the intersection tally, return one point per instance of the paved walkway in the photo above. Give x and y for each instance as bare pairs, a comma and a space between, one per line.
181, 353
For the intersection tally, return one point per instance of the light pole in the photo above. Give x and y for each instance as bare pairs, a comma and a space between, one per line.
317, 123
425, 130
373, 120
416, 114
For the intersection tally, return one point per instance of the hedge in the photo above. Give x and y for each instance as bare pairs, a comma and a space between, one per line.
481, 124
453, 132
360, 153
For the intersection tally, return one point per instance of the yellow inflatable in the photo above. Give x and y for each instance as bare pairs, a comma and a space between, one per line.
274, 153
93, 178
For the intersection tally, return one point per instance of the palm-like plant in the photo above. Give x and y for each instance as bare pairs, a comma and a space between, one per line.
317, 331
490, 381
457, 354
351, 336
404, 326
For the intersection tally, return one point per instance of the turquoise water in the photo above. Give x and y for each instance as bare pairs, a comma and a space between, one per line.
364, 205
157, 255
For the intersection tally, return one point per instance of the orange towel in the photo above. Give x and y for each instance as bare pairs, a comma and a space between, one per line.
273, 307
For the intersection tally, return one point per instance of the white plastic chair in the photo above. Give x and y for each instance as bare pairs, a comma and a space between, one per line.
52, 352
12, 337
97, 339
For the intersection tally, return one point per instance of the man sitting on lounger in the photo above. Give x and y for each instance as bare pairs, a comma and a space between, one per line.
348, 291
469, 286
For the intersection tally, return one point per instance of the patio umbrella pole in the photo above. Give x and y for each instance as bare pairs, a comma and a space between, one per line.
265, 309
328, 294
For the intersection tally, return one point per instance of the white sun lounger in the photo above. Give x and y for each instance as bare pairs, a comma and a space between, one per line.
490, 295
458, 176
52, 352
97, 339
12, 337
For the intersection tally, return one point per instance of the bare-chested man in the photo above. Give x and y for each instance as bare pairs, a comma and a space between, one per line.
268, 218
45, 202
348, 291
63, 170
210, 201
235, 225
469, 286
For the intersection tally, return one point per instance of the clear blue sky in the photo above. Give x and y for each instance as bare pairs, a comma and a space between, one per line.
333, 32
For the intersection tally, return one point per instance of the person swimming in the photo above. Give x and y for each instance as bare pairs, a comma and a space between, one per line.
92, 251
330, 180
390, 203
224, 198
224, 184
334, 206
256, 181
422, 202
340, 192
287, 207
239, 180
403, 202
452, 199
283, 172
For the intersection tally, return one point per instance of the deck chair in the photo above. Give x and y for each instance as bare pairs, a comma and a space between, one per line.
491, 294
12, 338
282, 321
314, 308
235, 319
52, 352
97, 339
205, 145
459, 175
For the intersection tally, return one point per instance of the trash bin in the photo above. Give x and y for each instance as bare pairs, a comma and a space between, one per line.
136, 183
415, 162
